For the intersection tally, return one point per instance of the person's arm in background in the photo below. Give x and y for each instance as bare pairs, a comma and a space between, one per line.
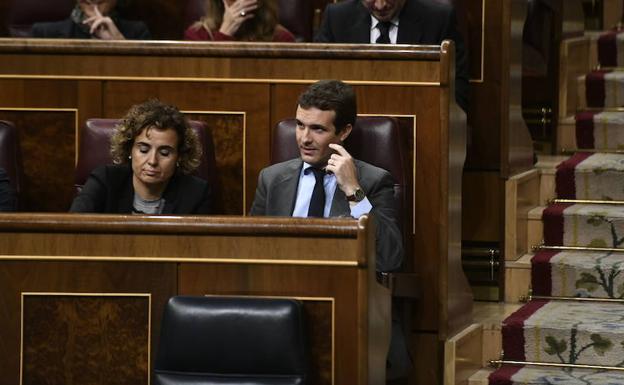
92, 197
324, 34
462, 72
7, 195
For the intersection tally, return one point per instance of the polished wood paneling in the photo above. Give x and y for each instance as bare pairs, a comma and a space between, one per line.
263, 81
228, 134
483, 217
348, 312
46, 137
83, 339
500, 140
25, 276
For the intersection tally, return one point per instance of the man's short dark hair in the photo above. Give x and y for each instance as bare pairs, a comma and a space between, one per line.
332, 95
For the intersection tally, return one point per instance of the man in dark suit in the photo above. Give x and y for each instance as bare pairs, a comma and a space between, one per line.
93, 19
326, 114
346, 187
398, 22
7, 196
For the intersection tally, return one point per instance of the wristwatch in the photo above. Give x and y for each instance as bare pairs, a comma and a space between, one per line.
357, 196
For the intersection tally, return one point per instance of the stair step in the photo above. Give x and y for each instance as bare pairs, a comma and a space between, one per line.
531, 375
566, 134
517, 278
609, 81
491, 315
480, 377
591, 176
589, 333
535, 228
584, 225
547, 166
578, 274
602, 130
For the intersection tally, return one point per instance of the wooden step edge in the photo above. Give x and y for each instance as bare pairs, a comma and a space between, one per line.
491, 314
523, 262
549, 163
463, 355
480, 377
536, 213
517, 279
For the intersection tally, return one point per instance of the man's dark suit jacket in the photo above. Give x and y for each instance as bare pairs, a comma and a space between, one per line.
109, 190
67, 29
277, 192
420, 22
7, 196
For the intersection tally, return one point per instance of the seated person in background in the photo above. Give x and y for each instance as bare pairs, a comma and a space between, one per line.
325, 181
7, 196
242, 20
398, 22
93, 19
154, 150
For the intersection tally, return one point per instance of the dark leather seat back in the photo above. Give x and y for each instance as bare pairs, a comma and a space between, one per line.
379, 141
24, 13
231, 340
10, 156
296, 15
94, 151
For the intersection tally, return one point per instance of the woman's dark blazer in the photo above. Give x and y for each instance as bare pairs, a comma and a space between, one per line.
109, 190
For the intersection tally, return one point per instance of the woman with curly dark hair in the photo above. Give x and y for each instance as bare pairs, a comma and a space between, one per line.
154, 150
242, 20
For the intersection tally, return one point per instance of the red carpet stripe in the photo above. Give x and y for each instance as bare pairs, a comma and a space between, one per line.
552, 217
585, 129
513, 330
595, 88
541, 272
564, 179
607, 49
502, 375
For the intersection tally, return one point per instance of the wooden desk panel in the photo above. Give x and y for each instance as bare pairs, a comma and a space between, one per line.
61, 264
74, 278
262, 82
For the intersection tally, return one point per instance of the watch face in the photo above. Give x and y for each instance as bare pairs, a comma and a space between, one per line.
359, 195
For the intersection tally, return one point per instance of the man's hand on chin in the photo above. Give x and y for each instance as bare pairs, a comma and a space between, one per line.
341, 164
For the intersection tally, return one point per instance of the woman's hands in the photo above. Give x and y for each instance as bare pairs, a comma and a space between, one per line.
102, 26
236, 14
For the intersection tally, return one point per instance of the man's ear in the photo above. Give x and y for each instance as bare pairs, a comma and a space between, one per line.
345, 132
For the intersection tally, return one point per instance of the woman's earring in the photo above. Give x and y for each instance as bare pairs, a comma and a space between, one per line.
129, 156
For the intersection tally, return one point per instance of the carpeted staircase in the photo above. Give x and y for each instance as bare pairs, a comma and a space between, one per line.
580, 257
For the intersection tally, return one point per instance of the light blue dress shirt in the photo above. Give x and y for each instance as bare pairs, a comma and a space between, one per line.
304, 195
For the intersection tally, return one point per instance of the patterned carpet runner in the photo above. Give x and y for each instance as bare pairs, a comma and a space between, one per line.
601, 89
600, 130
584, 225
577, 274
611, 49
521, 375
579, 332
598, 176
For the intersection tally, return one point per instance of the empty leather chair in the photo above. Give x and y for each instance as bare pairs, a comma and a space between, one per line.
10, 158
94, 151
379, 141
231, 340
24, 13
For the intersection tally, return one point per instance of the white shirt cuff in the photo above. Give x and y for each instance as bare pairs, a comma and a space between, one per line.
360, 208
